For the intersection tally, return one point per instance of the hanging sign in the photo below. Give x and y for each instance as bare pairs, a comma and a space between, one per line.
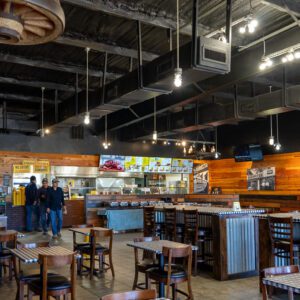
29, 162
41, 168
43, 162
21, 169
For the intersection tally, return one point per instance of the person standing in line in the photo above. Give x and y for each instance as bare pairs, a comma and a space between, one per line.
55, 205
30, 202
42, 202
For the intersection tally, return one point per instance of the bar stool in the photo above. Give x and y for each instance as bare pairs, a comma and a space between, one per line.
283, 244
148, 261
53, 286
100, 245
170, 224
6, 258
173, 274
149, 221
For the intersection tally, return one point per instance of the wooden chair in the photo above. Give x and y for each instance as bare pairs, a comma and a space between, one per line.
173, 274
149, 221
275, 272
97, 248
132, 295
76, 244
22, 279
281, 234
6, 258
53, 286
148, 261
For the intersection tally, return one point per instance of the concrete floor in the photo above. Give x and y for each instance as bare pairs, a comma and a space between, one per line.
204, 287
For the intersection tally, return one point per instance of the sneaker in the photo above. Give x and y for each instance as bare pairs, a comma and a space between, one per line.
54, 237
59, 235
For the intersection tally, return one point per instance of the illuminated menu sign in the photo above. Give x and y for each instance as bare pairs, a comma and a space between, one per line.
182, 166
160, 165
136, 164
112, 163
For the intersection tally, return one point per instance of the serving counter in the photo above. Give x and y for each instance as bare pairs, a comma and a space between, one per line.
234, 239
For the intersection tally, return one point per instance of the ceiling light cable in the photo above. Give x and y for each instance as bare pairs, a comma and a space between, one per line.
87, 114
42, 111
154, 120
178, 70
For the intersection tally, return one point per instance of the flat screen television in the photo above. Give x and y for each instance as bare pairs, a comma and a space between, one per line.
248, 153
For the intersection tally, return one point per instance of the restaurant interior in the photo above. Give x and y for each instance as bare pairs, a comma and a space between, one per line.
157, 154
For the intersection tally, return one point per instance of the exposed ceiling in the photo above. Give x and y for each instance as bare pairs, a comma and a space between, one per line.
110, 27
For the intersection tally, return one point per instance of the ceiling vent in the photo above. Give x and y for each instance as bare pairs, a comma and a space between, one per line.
30, 22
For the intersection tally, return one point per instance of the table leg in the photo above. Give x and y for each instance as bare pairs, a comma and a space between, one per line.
161, 284
290, 295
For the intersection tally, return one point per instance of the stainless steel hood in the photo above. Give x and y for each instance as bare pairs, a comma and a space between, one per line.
66, 171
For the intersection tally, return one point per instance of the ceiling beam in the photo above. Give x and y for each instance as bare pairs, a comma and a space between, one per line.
154, 18
23, 98
287, 6
71, 40
55, 66
38, 84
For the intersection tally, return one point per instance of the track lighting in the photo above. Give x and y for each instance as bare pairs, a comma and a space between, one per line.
178, 77
87, 118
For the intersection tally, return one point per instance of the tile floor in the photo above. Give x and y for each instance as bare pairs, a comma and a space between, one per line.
204, 287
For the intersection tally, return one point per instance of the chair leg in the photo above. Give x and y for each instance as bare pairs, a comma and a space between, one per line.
174, 291
148, 282
191, 297
290, 295
195, 262
92, 264
10, 269
111, 264
135, 281
30, 294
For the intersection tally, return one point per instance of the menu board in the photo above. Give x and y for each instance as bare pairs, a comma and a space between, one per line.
160, 165
182, 166
136, 164
112, 163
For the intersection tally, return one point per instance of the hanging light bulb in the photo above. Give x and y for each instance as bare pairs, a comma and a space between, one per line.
184, 150
190, 151
87, 118
290, 56
204, 148
154, 136
297, 54
165, 143
212, 149
47, 131
277, 146
183, 143
217, 155
106, 144
178, 77
242, 29
271, 140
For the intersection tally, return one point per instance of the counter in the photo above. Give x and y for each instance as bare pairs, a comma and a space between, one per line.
234, 244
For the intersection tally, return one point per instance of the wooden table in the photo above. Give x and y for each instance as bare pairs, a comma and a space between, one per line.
289, 282
87, 231
31, 256
157, 248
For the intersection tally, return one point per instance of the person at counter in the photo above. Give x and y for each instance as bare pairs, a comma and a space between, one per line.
55, 205
42, 203
30, 203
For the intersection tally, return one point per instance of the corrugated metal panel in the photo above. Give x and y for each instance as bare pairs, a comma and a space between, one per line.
241, 253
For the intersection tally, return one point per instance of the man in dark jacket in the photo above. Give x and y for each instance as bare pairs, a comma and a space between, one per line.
30, 203
42, 202
55, 204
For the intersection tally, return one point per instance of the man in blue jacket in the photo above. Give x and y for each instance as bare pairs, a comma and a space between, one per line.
30, 202
55, 205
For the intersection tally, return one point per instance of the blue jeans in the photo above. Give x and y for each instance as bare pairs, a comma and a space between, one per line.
31, 209
56, 217
44, 217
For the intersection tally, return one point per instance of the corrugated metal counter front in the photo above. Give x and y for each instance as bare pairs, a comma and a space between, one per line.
234, 238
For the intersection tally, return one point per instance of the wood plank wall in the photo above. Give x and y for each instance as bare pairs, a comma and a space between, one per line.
232, 176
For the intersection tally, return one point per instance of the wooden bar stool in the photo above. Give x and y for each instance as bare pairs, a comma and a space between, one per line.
53, 286
173, 274
6, 258
148, 261
170, 224
283, 244
100, 245
149, 221
270, 272
132, 295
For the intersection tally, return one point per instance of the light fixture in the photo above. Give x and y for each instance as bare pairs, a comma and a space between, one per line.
212, 149
153, 142
165, 143
144, 142
30, 22
277, 145
297, 54
183, 143
251, 22
222, 37
87, 114
203, 148
266, 62
42, 131
191, 149
217, 154
290, 56
271, 138
106, 144
178, 70
184, 151
47, 131
154, 136
284, 60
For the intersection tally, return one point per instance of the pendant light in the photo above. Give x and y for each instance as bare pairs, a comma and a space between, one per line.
106, 144
271, 138
217, 154
266, 62
154, 136
251, 23
87, 114
178, 70
277, 145
41, 132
